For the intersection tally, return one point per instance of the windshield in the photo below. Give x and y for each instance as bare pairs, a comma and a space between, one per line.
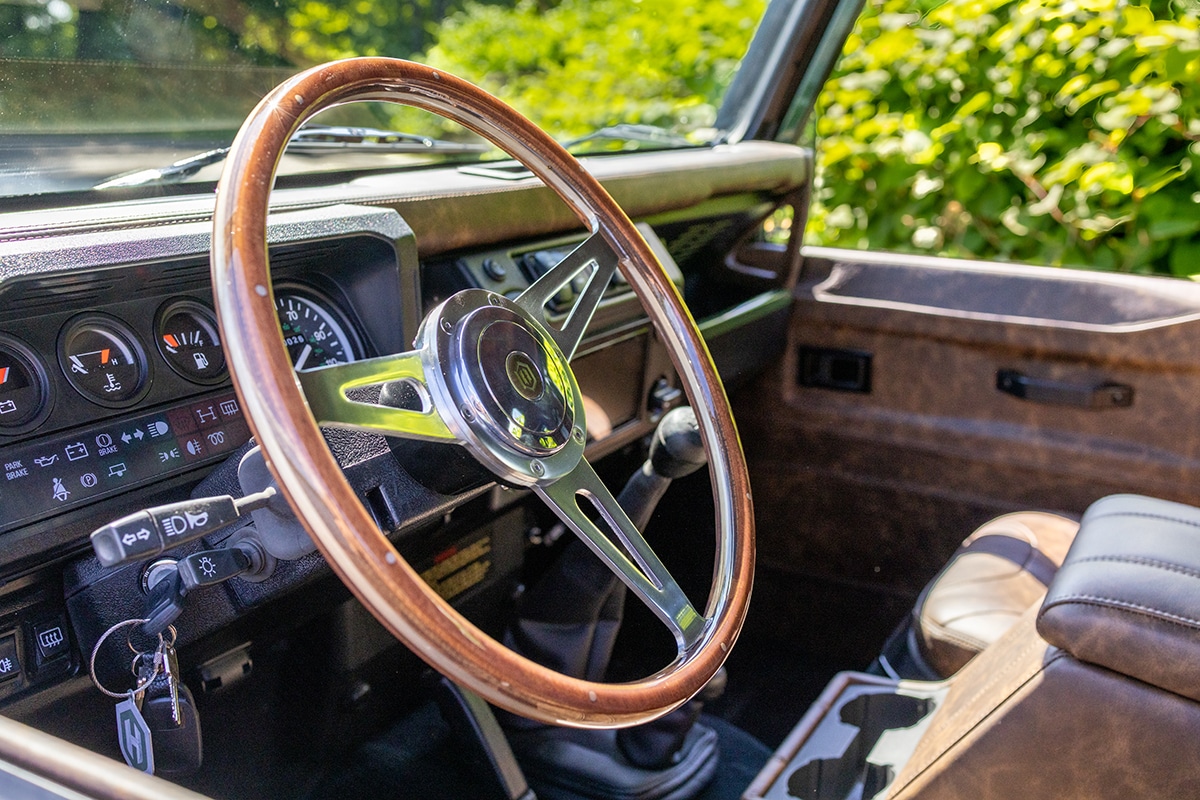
94, 89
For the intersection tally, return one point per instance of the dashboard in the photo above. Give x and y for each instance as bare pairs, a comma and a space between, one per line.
115, 395
113, 384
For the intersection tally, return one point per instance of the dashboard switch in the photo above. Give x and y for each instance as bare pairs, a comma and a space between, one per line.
10, 665
148, 533
51, 638
210, 567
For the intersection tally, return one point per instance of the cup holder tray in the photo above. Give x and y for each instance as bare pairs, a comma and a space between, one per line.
851, 743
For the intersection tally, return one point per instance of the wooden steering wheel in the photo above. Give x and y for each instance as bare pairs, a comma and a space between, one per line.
494, 376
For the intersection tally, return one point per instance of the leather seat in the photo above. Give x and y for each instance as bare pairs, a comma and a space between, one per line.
1000, 572
1093, 695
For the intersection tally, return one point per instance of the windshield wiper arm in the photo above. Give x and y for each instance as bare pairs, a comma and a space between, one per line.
629, 132
311, 139
319, 138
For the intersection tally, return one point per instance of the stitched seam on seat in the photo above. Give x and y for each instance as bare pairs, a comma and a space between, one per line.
1121, 605
944, 722
1170, 566
1146, 515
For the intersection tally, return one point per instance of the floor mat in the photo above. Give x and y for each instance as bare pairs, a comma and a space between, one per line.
418, 760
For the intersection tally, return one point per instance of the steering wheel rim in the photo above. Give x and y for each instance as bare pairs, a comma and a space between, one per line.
278, 410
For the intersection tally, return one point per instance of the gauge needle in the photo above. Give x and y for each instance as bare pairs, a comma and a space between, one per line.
304, 354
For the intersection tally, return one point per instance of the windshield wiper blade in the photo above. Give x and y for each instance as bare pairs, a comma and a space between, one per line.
176, 172
311, 139
319, 138
629, 132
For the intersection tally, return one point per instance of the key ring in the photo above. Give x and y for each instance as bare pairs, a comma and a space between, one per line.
138, 687
129, 641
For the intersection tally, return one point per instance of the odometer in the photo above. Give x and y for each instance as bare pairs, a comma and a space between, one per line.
315, 333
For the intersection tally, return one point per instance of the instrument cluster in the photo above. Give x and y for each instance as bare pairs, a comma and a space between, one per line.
113, 376
103, 358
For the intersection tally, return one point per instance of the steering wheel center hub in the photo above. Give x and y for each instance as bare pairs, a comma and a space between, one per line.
516, 397
525, 387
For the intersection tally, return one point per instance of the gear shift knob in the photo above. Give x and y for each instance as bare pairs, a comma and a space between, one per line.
677, 449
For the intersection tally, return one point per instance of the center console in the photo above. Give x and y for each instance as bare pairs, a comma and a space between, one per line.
852, 742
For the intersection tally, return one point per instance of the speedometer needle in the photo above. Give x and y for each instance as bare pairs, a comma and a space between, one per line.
304, 354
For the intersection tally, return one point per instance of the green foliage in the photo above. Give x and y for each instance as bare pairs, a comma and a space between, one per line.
1046, 131
571, 65
582, 64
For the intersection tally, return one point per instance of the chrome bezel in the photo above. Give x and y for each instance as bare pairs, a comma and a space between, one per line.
449, 341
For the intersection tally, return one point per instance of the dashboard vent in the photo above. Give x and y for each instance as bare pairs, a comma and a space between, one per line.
177, 276
307, 255
58, 292
684, 245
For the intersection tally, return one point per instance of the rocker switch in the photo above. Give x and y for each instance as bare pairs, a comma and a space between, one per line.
51, 638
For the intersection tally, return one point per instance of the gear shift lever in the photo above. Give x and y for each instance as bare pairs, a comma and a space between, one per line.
569, 619
578, 590
675, 451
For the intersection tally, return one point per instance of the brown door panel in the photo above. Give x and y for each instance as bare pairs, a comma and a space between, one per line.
881, 486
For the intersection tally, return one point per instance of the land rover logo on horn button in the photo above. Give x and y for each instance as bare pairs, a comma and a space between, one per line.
523, 374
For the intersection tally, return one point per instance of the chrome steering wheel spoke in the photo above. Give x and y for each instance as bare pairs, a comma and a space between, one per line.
593, 259
325, 390
624, 550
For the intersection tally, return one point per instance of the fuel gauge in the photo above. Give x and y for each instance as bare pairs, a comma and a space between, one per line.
103, 359
188, 339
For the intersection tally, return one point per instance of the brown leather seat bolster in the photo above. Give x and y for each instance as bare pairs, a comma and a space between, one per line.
1128, 595
1001, 570
1019, 552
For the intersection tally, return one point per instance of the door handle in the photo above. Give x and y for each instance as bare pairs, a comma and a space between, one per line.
1105, 394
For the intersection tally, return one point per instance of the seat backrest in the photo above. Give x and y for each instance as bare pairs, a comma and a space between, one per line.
1027, 721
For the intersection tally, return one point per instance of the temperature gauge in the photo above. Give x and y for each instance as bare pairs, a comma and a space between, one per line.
103, 360
188, 339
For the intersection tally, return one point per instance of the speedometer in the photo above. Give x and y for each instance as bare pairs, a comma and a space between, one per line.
315, 333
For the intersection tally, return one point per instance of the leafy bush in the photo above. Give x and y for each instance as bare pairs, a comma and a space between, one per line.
1047, 131
579, 65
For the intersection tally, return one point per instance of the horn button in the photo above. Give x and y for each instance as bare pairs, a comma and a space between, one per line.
524, 386
527, 387
519, 409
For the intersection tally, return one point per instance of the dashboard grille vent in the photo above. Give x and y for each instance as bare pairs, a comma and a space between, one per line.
58, 292
178, 276
307, 256
690, 241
